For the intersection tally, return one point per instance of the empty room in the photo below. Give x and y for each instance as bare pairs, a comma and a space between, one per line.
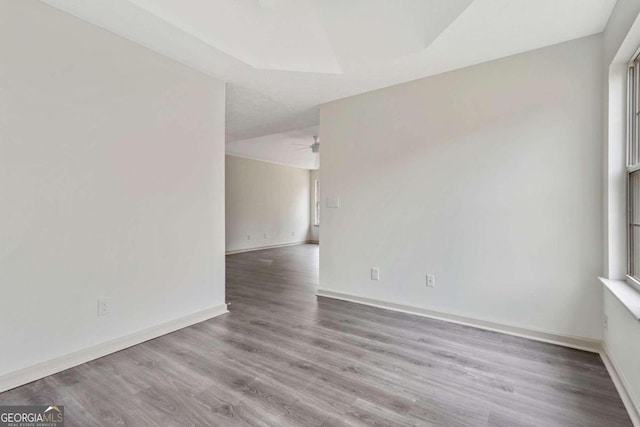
320, 213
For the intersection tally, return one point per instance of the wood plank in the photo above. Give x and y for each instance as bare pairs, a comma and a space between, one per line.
283, 357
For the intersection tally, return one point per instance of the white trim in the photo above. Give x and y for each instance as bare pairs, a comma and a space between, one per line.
257, 159
261, 248
633, 282
633, 409
625, 293
53, 366
580, 343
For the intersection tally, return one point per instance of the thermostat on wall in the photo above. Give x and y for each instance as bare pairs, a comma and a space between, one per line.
333, 202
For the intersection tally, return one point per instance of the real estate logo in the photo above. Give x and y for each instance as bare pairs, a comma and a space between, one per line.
32, 416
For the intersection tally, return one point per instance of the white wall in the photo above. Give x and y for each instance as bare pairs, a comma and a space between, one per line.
111, 185
622, 336
620, 22
315, 230
266, 204
622, 343
618, 49
488, 177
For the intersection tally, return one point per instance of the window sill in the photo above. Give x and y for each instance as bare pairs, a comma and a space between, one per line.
626, 294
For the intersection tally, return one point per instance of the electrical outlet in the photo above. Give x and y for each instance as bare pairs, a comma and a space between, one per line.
375, 273
605, 322
248, 236
293, 233
104, 306
431, 281
265, 235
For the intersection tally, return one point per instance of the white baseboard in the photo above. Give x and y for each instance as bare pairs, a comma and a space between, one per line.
261, 248
50, 367
633, 408
580, 343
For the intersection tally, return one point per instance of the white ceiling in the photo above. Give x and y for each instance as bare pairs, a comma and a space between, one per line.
288, 148
282, 58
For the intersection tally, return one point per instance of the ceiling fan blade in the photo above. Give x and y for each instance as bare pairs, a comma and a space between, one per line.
302, 145
303, 148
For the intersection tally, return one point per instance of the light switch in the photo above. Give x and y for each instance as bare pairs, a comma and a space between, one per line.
333, 202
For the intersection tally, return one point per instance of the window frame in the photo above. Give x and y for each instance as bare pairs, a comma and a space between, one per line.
632, 160
316, 200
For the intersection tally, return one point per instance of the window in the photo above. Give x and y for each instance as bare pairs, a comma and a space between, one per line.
316, 200
633, 172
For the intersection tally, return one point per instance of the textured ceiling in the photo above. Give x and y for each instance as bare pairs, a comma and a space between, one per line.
288, 148
282, 58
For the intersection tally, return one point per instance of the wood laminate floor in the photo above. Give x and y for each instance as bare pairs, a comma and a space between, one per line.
283, 357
